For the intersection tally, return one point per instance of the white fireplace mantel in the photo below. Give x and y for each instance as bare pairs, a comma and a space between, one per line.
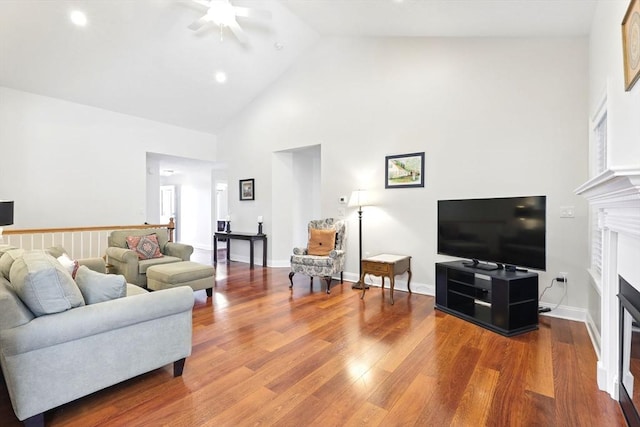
616, 195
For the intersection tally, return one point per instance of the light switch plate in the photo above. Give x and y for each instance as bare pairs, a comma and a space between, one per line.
567, 211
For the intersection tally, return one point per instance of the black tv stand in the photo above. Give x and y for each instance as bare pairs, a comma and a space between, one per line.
502, 301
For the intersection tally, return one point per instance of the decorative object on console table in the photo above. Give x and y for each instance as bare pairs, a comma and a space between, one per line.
247, 189
404, 170
359, 198
631, 44
228, 225
6, 215
386, 265
221, 225
260, 224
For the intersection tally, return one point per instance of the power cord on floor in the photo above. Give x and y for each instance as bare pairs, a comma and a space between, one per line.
564, 294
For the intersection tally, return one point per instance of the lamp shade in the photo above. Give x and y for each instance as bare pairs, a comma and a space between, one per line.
6, 212
358, 198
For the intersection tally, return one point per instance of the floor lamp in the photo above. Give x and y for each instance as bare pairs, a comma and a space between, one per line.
6, 215
359, 198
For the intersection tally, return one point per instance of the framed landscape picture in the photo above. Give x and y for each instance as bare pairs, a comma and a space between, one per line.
247, 189
631, 44
404, 170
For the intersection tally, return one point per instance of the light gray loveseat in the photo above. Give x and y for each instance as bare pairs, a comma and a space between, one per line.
53, 359
126, 262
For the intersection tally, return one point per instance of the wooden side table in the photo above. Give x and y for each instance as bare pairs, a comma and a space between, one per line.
386, 265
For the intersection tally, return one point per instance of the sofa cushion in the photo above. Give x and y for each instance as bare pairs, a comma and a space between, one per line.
146, 247
70, 264
43, 284
7, 259
144, 264
99, 287
118, 238
321, 242
313, 261
13, 312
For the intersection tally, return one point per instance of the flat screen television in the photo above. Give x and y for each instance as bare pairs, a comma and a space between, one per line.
507, 231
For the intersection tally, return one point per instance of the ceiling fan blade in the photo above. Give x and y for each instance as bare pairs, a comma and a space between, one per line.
196, 25
204, 3
237, 31
246, 12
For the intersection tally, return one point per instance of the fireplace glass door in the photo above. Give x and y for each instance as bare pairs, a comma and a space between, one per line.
629, 352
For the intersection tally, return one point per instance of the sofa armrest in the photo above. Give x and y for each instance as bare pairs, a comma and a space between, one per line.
179, 250
125, 262
299, 251
95, 264
94, 319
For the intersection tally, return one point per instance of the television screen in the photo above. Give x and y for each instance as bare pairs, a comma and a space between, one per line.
508, 230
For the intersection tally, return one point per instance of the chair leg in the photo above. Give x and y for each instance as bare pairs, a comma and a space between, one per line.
178, 367
34, 421
328, 280
291, 279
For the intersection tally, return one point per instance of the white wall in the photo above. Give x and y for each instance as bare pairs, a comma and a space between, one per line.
606, 77
495, 117
68, 164
606, 81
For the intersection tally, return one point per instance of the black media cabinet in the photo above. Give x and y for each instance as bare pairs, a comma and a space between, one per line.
502, 301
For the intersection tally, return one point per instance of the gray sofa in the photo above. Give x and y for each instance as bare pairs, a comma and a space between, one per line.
126, 262
52, 359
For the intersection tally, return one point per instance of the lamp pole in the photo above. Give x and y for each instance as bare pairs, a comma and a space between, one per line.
358, 284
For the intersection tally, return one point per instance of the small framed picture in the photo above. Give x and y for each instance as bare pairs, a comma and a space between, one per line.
404, 170
631, 44
247, 189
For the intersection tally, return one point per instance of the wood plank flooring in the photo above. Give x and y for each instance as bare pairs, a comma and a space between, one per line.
265, 355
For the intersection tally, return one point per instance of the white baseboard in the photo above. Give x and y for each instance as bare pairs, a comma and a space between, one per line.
565, 312
593, 334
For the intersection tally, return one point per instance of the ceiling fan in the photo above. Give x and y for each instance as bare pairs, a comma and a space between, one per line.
223, 14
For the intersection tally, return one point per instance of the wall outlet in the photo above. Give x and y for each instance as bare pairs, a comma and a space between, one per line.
564, 275
341, 212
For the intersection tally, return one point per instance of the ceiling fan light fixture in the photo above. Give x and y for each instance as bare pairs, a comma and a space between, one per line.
221, 13
220, 76
79, 18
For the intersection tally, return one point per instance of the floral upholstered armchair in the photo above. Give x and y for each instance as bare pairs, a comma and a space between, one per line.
324, 256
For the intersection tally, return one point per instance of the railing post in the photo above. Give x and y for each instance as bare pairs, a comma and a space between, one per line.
170, 228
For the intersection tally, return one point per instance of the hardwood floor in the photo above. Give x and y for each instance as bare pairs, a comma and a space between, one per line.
265, 355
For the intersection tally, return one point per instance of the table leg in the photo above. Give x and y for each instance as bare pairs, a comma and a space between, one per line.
364, 288
251, 253
264, 252
215, 250
228, 250
409, 280
393, 284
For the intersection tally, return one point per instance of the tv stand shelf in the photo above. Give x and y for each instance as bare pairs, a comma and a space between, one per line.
502, 301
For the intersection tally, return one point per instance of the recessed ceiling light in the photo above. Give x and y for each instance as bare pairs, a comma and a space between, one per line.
78, 18
220, 76
278, 46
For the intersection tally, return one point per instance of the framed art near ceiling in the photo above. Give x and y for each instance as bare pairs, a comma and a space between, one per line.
247, 189
631, 44
404, 170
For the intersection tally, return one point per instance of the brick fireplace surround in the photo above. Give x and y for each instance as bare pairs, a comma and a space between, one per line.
616, 195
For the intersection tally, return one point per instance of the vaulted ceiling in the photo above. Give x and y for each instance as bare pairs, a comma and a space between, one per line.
139, 58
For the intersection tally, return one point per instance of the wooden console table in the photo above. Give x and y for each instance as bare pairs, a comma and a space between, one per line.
386, 265
223, 236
